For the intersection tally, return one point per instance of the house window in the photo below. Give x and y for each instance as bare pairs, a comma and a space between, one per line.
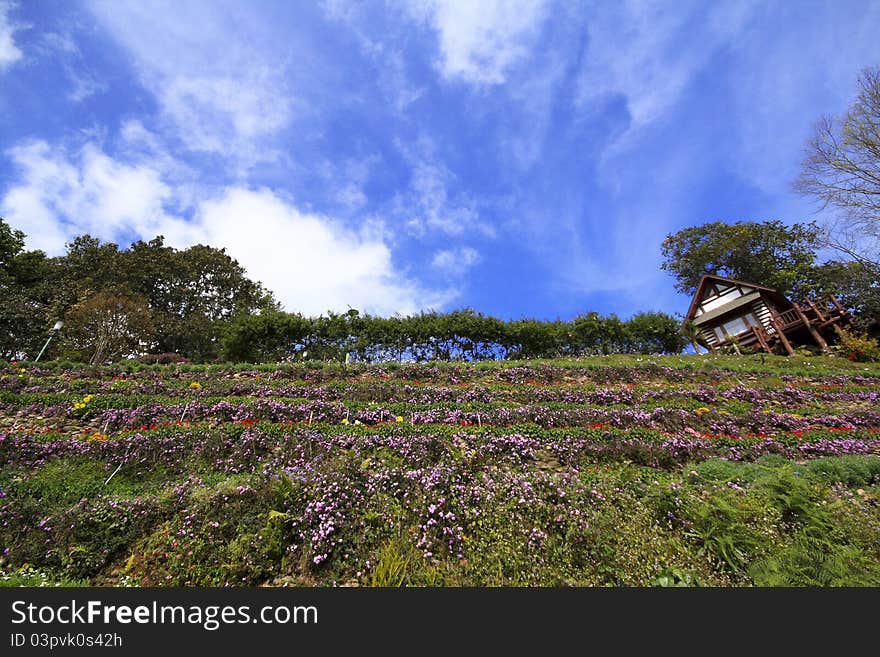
736, 326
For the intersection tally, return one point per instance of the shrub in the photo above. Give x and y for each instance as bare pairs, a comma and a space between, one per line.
857, 347
162, 359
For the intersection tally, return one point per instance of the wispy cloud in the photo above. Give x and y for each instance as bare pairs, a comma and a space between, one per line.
218, 92
432, 202
9, 51
63, 193
481, 41
648, 51
455, 262
62, 47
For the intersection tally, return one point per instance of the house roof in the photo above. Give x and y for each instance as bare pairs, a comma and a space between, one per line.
709, 278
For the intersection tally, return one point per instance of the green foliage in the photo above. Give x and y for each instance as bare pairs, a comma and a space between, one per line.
457, 335
25, 284
767, 253
30, 576
107, 326
220, 502
394, 559
730, 528
188, 295
674, 577
852, 470
814, 561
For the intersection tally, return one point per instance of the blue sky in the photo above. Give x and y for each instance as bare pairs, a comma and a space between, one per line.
524, 159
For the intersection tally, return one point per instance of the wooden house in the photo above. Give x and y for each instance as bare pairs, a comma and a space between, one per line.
727, 312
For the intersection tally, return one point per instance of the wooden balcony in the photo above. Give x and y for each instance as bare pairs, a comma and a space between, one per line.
812, 316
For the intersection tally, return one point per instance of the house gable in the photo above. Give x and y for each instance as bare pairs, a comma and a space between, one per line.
715, 292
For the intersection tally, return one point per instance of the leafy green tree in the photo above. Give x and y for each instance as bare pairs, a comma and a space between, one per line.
191, 293
767, 253
263, 337
25, 283
653, 333
691, 332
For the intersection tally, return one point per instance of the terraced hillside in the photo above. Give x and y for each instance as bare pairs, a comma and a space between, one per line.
600, 471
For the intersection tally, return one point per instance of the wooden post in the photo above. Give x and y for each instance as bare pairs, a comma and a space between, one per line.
816, 310
837, 305
779, 332
760, 337
812, 329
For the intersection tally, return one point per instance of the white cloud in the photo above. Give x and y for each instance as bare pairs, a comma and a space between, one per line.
9, 52
481, 41
311, 262
220, 86
84, 86
87, 190
455, 262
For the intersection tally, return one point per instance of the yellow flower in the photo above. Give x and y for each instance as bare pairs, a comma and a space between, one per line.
344, 420
723, 412
701, 410
98, 437
87, 399
399, 418
195, 385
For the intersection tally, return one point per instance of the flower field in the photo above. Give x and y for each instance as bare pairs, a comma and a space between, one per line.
660, 471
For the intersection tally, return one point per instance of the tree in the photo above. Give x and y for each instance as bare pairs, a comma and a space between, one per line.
855, 285
653, 333
767, 253
842, 169
25, 288
191, 293
107, 326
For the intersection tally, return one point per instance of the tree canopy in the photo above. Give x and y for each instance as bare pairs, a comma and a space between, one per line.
187, 296
767, 253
